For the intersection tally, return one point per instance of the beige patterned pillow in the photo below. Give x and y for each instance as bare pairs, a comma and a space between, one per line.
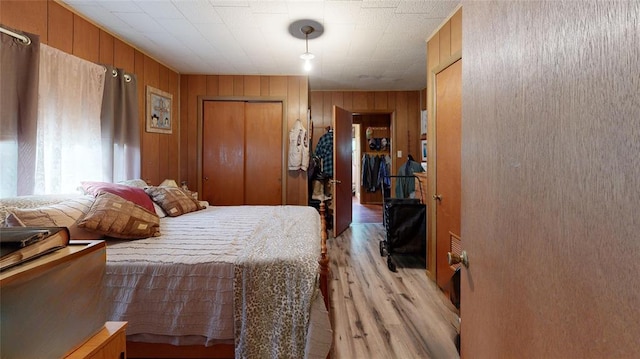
173, 200
116, 217
137, 182
63, 214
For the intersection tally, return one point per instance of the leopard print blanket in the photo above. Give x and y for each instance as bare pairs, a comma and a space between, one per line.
275, 283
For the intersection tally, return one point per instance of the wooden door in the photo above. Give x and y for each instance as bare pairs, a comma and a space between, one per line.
242, 153
223, 152
551, 181
263, 153
448, 146
342, 153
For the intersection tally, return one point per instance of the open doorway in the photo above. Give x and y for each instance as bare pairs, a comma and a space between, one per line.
371, 146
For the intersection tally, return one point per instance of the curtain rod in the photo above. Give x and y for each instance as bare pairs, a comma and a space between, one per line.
25, 39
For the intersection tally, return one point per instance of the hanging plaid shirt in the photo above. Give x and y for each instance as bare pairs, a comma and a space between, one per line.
324, 150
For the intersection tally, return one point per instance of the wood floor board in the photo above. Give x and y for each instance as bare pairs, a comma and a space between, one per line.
381, 314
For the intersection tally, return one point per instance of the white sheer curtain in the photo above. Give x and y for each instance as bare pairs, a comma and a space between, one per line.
69, 146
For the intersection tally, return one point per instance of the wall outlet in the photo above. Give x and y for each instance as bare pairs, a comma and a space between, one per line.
400, 154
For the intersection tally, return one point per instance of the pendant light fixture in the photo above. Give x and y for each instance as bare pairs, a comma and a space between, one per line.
307, 56
306, 29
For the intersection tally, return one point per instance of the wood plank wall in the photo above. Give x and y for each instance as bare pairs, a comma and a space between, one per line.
294, 89
61, 28
405, 106
445, 44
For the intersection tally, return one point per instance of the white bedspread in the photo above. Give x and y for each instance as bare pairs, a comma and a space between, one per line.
181, 283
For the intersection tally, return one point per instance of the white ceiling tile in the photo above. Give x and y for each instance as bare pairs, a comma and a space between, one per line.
141, 21
313, 10
121, 6
366, 44
179, 27
236, 17
198, 11
375, 18
229, 3
268, 7
344, 12
433, 9
380, 3
160, 9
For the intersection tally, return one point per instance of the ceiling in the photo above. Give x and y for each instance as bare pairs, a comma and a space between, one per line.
366, 45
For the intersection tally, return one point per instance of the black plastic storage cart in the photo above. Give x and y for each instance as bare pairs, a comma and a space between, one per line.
405, 225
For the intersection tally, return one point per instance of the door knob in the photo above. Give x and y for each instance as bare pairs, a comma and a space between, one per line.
206, 178
454, 258
437, 197
335, 181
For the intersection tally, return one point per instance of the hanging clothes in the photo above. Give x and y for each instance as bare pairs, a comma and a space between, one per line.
383, 179
324, 150
375, 172
405, 187
298, 147
366, 171
385, 172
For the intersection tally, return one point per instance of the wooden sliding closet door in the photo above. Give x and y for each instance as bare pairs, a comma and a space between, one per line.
223, 153
263, 153
242, 153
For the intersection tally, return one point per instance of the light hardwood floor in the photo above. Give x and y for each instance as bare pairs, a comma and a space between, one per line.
377, 313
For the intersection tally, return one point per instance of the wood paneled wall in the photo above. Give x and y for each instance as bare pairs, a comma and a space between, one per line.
294, 89
61, 28
442, 47
404, 106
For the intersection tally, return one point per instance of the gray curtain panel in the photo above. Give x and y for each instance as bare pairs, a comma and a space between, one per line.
19, 70
120, 128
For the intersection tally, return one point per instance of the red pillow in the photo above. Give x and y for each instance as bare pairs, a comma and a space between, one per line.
133, 194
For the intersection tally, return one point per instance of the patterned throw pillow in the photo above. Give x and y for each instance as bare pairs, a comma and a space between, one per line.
130, 193
116, 217
63, 214
137, 182
173, 200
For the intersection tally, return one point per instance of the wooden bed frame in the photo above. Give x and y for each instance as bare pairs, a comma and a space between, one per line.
222, 351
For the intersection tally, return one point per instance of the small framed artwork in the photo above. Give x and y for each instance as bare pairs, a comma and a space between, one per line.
424, 150
158, 117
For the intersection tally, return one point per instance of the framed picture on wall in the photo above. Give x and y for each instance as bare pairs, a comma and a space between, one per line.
423, 123
424, 150
158, 116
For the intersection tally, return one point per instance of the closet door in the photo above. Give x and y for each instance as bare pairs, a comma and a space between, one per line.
448, 173
242, 153
263, 153
223, 152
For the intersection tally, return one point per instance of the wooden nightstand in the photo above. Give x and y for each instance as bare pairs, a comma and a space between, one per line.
54, 303
108, 343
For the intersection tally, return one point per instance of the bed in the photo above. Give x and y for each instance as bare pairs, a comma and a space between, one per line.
232, 281
178, 288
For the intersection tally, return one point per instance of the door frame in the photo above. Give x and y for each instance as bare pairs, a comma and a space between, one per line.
285, 140
392, 131
432, 164
392, 138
